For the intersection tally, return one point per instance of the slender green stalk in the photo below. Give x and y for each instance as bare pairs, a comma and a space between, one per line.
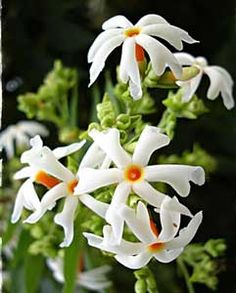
184, 271
74, 103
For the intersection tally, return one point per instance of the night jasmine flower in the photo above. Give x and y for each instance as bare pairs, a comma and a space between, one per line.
136, 39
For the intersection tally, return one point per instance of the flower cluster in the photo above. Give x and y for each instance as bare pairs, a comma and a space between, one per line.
106, 163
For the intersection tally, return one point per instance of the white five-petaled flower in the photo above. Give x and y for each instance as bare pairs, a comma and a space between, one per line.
133, 175
20, 133
94, 279
164, 246
220, 80
136, 39
45, 168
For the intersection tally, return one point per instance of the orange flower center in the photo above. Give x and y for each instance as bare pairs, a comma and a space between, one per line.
133, 173
155, 247
131, 32
46, 180
72, 184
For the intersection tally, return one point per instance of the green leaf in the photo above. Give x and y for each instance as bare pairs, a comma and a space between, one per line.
33, 270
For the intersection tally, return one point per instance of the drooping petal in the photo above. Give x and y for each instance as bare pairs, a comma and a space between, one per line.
47, 202
62, 152
129, 68
220, 81
93, 158
66, 219
109, 142
170, 213
190, 86
56, 265
186, 234
101, 56
165, 256
100, 208
113, 216
159, 54
177, 176
150, 19
26, 197
37, 146
116, 21
172, 34
184, 58
100, 40
92, 179
134, 262
124, 248
139, 222
150, 140
148, 193
97, 273
31, 200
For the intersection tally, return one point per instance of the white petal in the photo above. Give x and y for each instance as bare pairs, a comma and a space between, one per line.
139, 222
186, 235
172, 34
92, 284
24, 173
93, 158
49, 163
109, 142
47, 202
97, 273
165, 256
100, 40
220, 81
190, 86
159, 54
32, 128
26, 197
31, 200
92, 179
148, 193
61, 152
56, 265
112, 216
116, 21
124, 248
185, 58
134, 262
170, 213
66, 219
101, 56
18, 206
177, 176
100, 208
150, 140
129, 68
150, 19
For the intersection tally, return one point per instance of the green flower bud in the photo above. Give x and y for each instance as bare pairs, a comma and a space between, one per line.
123, 121
140, 286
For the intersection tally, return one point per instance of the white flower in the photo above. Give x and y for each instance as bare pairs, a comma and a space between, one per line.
137, 38
164, 247
133, 174
20, 134
220, 80
40, 172
47, 170
94, 279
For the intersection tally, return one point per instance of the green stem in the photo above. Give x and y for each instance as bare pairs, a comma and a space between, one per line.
74, 103
185, 274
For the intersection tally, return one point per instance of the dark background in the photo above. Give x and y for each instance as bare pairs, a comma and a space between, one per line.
35, 33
